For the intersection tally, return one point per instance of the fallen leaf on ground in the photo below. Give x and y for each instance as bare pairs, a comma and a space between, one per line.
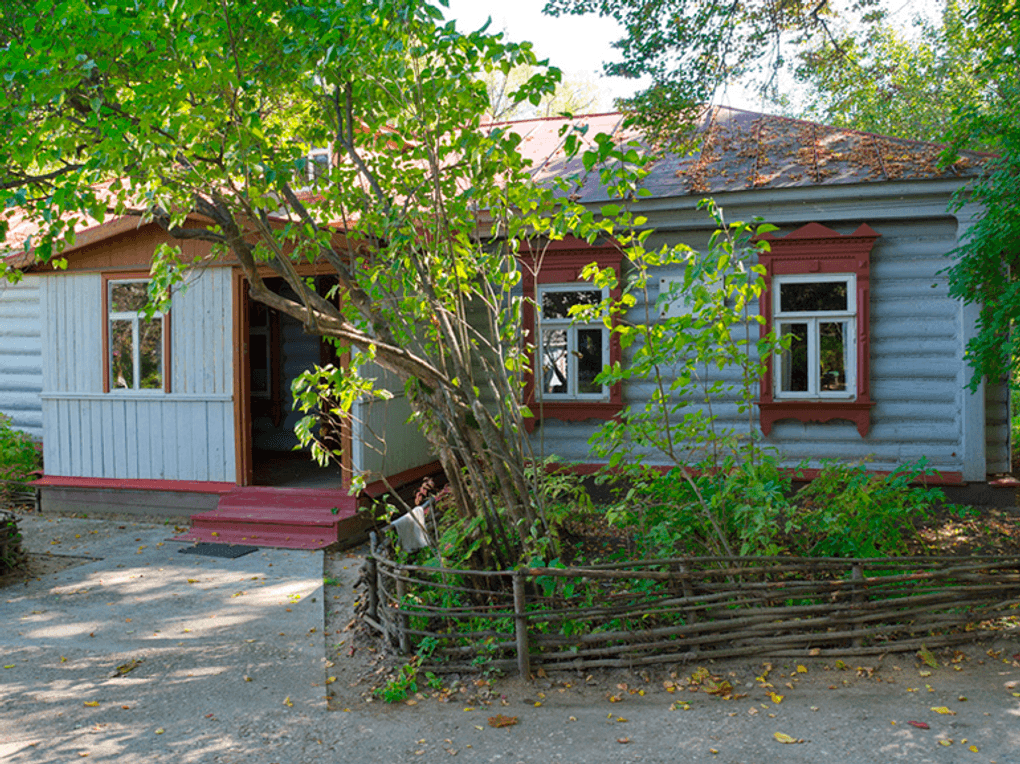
776, 698
623, 740
943, 710
801, 669
782, 737
92, 703
925, 655
125, 668
919, 725
288, 702
501, 720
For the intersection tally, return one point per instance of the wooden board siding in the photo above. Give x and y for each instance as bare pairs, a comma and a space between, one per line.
201, 337
997, 433
917, 368
146, 438
383, 441
185, 435
21, 354
73, 333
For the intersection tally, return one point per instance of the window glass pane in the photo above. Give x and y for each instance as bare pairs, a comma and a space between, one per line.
150, 348
812, 296
794, 376
558, 304
589, 360
130, 297
832, 354
554, 362
122, 367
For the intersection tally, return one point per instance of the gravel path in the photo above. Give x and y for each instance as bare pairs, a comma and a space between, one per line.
232, 659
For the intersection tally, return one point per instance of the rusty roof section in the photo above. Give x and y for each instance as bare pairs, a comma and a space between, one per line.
736, 151
741, 150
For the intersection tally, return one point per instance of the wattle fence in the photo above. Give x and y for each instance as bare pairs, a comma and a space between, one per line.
684, 609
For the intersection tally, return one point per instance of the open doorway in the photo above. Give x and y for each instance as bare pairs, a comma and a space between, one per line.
276, 350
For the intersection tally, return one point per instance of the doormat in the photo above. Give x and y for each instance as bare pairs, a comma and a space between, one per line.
230, 551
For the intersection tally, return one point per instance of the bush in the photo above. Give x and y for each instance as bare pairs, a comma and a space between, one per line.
713, 509
19, 457
748, 508
11, 554
849, 512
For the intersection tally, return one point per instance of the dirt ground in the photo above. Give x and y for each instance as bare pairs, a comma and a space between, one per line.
886, 708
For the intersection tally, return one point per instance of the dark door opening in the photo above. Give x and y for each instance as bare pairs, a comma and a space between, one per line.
278, 351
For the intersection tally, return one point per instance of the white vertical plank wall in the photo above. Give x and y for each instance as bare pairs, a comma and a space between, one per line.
187, 434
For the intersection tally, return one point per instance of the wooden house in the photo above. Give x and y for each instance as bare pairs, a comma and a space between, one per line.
861, 215
190, 410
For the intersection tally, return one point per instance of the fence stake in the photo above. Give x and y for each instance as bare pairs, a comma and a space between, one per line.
373, 588
856, 574
403, 621
521, 624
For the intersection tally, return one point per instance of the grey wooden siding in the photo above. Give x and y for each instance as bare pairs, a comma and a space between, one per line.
917, 369
997, 428
186, 435
384, 441
21, 354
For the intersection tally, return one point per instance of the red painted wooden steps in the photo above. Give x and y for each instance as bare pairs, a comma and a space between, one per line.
286, 518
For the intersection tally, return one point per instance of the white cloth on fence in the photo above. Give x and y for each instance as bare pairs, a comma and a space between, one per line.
411, 531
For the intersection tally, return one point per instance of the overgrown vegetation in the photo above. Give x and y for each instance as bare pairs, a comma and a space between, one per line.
19, 457
12, 556
687, 469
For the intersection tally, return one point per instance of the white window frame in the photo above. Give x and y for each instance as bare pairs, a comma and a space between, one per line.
571, 327
813, 319
134, 316
315, 169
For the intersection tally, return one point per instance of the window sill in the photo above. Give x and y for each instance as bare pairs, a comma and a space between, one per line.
858, 412
574, 411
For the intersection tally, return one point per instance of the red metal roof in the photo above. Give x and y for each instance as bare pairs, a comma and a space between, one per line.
736, 150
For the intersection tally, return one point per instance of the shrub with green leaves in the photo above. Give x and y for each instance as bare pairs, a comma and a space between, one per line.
18, 457
848, 511
11, 554
677, 512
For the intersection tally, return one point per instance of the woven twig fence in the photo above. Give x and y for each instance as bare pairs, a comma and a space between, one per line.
11, 554
684, 609
17, 493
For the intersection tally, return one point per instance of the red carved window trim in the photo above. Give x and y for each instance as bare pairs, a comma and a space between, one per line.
561, 262
810, 249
